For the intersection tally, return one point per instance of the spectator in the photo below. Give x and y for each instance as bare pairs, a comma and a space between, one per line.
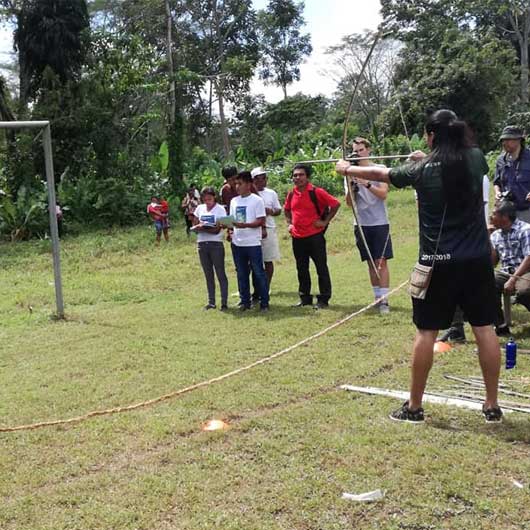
188, 205
512, 172
210, 246
308, 211
228, 190
269, 243
154, 209
248, 211
511, 247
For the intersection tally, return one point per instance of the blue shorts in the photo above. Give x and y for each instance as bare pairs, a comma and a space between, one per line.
160, 225
378, 240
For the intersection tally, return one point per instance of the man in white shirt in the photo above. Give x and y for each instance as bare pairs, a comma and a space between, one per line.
248, 211
269, 244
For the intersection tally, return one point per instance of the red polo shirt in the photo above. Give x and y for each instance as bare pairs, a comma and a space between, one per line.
303, 211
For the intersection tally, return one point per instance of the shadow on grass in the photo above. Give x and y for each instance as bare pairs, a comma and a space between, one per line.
280, 312
513, 429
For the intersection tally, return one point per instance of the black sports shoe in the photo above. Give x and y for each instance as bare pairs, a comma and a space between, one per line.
209, 306
244, 307
493, 414
321, 305
453, 334
502, 331
407, 415
224, 307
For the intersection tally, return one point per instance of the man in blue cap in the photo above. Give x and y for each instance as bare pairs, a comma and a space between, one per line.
512, 171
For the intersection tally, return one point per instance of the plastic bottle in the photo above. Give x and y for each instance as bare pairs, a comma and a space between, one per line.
511, 354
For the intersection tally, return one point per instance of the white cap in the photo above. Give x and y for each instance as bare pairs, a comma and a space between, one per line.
257, 171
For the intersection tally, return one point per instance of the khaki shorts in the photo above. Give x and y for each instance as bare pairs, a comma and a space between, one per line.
270, 247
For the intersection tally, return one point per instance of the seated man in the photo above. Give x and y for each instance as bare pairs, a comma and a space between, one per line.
511, 247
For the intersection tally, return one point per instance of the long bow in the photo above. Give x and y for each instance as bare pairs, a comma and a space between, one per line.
344, 148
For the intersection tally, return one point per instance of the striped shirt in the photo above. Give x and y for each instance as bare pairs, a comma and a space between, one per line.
512, 245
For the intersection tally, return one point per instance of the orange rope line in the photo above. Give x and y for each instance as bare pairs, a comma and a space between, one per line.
177, 393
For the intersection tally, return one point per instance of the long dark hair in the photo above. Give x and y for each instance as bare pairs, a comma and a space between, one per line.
451, 143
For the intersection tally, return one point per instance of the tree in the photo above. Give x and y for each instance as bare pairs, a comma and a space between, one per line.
49, 34
266, 130
473, 77
511, 20
376, 87
175, 122
421, 23
283, 46
228, 47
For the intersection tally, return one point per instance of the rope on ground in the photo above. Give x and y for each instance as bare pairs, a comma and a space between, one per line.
177, 393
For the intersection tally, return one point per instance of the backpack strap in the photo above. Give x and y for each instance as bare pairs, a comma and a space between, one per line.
314, 200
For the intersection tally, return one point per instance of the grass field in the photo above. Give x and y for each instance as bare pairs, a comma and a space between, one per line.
135, 330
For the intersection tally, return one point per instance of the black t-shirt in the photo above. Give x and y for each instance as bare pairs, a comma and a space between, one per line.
464, 235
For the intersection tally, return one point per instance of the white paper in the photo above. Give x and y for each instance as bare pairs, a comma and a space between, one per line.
369, 496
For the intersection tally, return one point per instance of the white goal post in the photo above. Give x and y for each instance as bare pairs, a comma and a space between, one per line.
44, 126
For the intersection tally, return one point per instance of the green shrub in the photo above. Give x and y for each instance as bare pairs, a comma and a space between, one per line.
25, 217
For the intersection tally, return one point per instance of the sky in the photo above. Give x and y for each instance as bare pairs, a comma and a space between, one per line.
326, 20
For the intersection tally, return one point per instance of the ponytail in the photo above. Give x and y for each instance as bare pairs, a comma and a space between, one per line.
451, 143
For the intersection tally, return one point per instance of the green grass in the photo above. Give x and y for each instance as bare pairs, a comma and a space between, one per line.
135, 330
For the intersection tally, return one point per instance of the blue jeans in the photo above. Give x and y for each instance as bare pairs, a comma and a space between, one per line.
247, 259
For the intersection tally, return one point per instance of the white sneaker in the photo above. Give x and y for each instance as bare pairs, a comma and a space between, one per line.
384, 308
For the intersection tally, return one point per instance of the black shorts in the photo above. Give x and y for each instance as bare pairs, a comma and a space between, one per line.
378, 240
469, 284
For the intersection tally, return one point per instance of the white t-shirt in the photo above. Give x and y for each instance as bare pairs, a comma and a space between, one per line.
205, 216
270, 199
247, 210
486, 195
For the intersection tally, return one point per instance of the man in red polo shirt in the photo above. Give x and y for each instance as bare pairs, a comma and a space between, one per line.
309, 210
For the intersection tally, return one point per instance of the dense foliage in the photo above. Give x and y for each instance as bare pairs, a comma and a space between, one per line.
150, 96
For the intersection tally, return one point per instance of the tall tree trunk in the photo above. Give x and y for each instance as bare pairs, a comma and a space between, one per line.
170, 67
11, 142
222, 118
24, 82
175, 126
284, 87
524, 72
219, 83
525, 32
209, 126
522, 30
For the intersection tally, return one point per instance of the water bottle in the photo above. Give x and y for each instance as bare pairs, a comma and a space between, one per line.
511, 354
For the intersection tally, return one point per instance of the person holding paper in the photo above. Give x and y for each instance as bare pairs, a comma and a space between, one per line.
210, 245
248, 211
